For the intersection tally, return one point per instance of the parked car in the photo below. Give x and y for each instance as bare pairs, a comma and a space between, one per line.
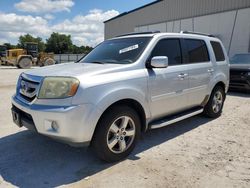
125, 86
240, 72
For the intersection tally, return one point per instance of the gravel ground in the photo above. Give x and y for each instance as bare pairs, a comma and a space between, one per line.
197, 152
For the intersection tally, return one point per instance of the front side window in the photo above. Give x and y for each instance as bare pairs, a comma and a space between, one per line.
197, 51
170, 48
118, 51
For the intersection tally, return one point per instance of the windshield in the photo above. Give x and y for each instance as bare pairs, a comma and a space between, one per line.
117, 51
240, 59
32, 47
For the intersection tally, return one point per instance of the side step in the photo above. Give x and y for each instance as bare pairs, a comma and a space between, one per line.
175, 118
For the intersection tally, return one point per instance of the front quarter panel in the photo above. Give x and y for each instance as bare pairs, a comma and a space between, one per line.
104, 90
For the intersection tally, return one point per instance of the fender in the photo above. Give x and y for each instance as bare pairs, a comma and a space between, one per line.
219, 77
118, 94
111, 97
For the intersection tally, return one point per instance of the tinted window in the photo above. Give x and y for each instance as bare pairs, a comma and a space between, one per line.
118, 51
219, 55
170, 48
240, 59
197, 51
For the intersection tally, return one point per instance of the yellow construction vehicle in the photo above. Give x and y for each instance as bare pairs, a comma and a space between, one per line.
25, 58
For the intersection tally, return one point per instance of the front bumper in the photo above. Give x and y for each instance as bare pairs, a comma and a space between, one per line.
72, 124
239, 82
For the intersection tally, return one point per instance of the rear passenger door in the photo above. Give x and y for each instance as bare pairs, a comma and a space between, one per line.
167, 86
200, 70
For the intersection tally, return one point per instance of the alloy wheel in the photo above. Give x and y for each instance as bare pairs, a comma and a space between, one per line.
121, 134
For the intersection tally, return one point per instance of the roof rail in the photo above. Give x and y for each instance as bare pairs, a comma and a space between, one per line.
138, 33
197, 33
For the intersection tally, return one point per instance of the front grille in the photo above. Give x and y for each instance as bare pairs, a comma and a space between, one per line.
238, 72
28, 89
238, 82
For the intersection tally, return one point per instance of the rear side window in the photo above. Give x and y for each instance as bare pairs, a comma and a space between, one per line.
170, 48
218, 52
197, 51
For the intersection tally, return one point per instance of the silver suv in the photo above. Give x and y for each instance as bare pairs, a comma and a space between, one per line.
125, 86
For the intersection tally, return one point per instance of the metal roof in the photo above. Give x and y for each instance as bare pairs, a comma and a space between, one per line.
125, 13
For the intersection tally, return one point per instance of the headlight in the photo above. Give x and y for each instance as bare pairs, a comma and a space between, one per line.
58, 87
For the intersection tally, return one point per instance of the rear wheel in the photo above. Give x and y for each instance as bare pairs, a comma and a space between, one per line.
49, 61
24, 63
116, 133
215, 104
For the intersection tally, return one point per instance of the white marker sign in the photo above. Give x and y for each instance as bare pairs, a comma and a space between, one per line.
130, 48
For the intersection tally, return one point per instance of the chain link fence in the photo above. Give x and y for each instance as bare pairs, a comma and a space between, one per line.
64, 58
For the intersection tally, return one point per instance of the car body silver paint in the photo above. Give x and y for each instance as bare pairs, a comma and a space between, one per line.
159, 91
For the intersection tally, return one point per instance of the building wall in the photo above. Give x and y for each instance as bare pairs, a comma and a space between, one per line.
228, 19
169, 10
232, 27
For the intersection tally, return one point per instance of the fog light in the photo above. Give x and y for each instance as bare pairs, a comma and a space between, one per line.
51, 126
54, 126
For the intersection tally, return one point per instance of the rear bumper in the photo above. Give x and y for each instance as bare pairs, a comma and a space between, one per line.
73, 125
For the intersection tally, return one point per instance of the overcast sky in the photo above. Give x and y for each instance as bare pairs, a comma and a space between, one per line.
82, 19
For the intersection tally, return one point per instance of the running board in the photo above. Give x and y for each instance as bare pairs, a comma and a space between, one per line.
175, 118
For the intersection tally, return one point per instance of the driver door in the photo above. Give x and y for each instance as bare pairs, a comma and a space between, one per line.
168, 86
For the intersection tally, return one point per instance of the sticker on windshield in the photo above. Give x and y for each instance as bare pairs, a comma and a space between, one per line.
130, 48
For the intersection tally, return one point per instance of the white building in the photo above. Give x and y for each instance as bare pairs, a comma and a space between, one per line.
229, 20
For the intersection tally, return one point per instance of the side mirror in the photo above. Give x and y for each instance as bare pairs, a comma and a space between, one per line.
159, 62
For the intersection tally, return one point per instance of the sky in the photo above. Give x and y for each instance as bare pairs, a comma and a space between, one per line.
82, 19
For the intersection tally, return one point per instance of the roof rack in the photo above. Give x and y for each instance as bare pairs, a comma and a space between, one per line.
138, 33
197, 33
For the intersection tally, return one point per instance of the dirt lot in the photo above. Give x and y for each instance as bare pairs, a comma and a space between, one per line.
196, 152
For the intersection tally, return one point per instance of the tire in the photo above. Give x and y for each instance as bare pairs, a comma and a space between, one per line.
213, 108
110, 130
25, 63
49, 61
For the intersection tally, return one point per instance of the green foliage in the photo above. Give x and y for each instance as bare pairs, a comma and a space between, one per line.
28, 38
80, 50
56, 43
59, 43
9, 46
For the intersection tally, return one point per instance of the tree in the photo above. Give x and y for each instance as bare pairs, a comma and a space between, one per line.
88, 49
29, 38
9, 46
59, 43
80, 50
56, 43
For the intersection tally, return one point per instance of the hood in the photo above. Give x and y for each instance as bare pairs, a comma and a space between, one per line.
240, 66
73, 69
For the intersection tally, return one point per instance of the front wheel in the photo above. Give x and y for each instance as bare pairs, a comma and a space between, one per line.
24, 63
215, 104
49, 61
117, 133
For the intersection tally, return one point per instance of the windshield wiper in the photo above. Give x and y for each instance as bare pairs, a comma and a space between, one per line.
98, 62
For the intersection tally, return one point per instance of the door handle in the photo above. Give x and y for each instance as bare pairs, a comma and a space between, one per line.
182, 76
210, 71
